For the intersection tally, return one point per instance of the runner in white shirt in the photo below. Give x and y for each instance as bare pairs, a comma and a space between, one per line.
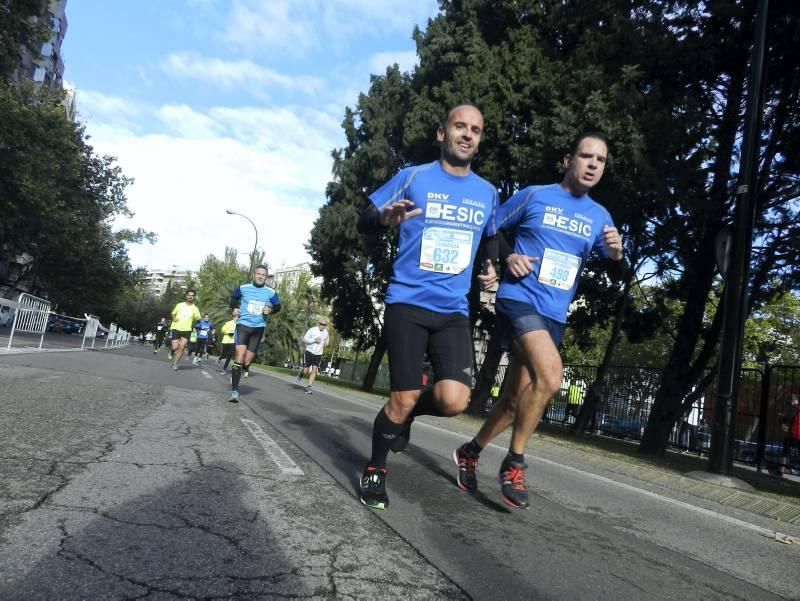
315, 340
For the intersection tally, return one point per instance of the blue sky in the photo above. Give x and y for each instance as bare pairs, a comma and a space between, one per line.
215, 104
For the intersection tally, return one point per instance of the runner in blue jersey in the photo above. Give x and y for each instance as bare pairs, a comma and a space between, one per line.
251, 304
557, 228
204, 329
443, 211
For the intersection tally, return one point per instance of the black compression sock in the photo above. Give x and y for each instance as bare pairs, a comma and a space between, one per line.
236, 375
473, 448
384, 431
515, 457
426, 405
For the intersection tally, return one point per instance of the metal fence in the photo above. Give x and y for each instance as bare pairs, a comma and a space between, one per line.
629, 393
30, 317
628, 396
32, 325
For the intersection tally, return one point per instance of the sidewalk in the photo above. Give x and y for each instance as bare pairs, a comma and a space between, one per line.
770, 497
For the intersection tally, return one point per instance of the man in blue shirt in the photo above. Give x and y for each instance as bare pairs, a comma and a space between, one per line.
251, 304
557, 228
204, 329
442, 210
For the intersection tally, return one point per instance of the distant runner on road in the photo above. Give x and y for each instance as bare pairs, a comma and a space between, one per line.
160, 330
228, 329
184, 316
315, 340
251, 304
204, 331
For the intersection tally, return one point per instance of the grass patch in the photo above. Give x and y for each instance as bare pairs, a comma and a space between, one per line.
378, 393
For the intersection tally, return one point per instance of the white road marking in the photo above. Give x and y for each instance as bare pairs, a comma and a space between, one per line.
206, 374
275, 452
763, 531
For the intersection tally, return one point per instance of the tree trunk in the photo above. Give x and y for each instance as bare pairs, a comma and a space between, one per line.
676, 380
594, 395
374, 363
486, 376
698, 276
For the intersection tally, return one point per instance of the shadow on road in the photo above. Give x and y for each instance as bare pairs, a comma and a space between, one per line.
192, 539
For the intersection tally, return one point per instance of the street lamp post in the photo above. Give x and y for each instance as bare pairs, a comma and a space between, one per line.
255, 246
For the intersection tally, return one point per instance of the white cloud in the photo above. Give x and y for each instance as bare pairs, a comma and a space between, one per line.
380, 61
97, 104
272, 164
292, 26
271, 24
187, 123
236, 74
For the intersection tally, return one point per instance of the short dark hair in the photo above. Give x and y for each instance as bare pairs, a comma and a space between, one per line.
446, 117
190, 290
261, 266
588, 133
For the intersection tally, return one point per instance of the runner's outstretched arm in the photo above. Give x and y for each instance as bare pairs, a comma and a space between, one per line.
369, 222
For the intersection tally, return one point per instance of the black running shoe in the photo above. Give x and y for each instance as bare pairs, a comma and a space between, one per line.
373, 488
400, 443
512, 484
467, 478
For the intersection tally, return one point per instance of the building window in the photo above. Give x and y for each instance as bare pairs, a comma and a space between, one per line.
39, 74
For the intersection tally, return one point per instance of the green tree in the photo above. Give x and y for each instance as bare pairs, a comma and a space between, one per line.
216, 279
723, 34
59, 199
772, 335
355, 270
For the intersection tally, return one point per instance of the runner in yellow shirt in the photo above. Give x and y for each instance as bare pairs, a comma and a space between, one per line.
184, 316
228, 330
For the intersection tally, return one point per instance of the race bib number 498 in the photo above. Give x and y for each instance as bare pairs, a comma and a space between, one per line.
559, 269
444, 250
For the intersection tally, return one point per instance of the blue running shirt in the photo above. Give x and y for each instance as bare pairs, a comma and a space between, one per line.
252, 299
561, 230
203, 328
436, 250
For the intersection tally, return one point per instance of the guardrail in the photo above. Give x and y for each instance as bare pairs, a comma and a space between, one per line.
30, 317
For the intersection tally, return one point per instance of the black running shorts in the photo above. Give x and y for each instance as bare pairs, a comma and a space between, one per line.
311, 360
249, 337
412, 331
178, 334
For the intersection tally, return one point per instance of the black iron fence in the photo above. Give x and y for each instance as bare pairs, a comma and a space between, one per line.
629, 392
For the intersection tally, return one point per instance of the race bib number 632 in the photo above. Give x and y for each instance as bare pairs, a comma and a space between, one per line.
444, 250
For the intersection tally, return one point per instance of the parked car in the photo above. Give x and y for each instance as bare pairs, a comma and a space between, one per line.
71, 327
612, 425
6, 316
54, 323
63, 326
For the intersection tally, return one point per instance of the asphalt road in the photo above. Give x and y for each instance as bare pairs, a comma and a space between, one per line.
120, 479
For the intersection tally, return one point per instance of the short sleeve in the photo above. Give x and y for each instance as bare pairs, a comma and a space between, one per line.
392, 191
513, 211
